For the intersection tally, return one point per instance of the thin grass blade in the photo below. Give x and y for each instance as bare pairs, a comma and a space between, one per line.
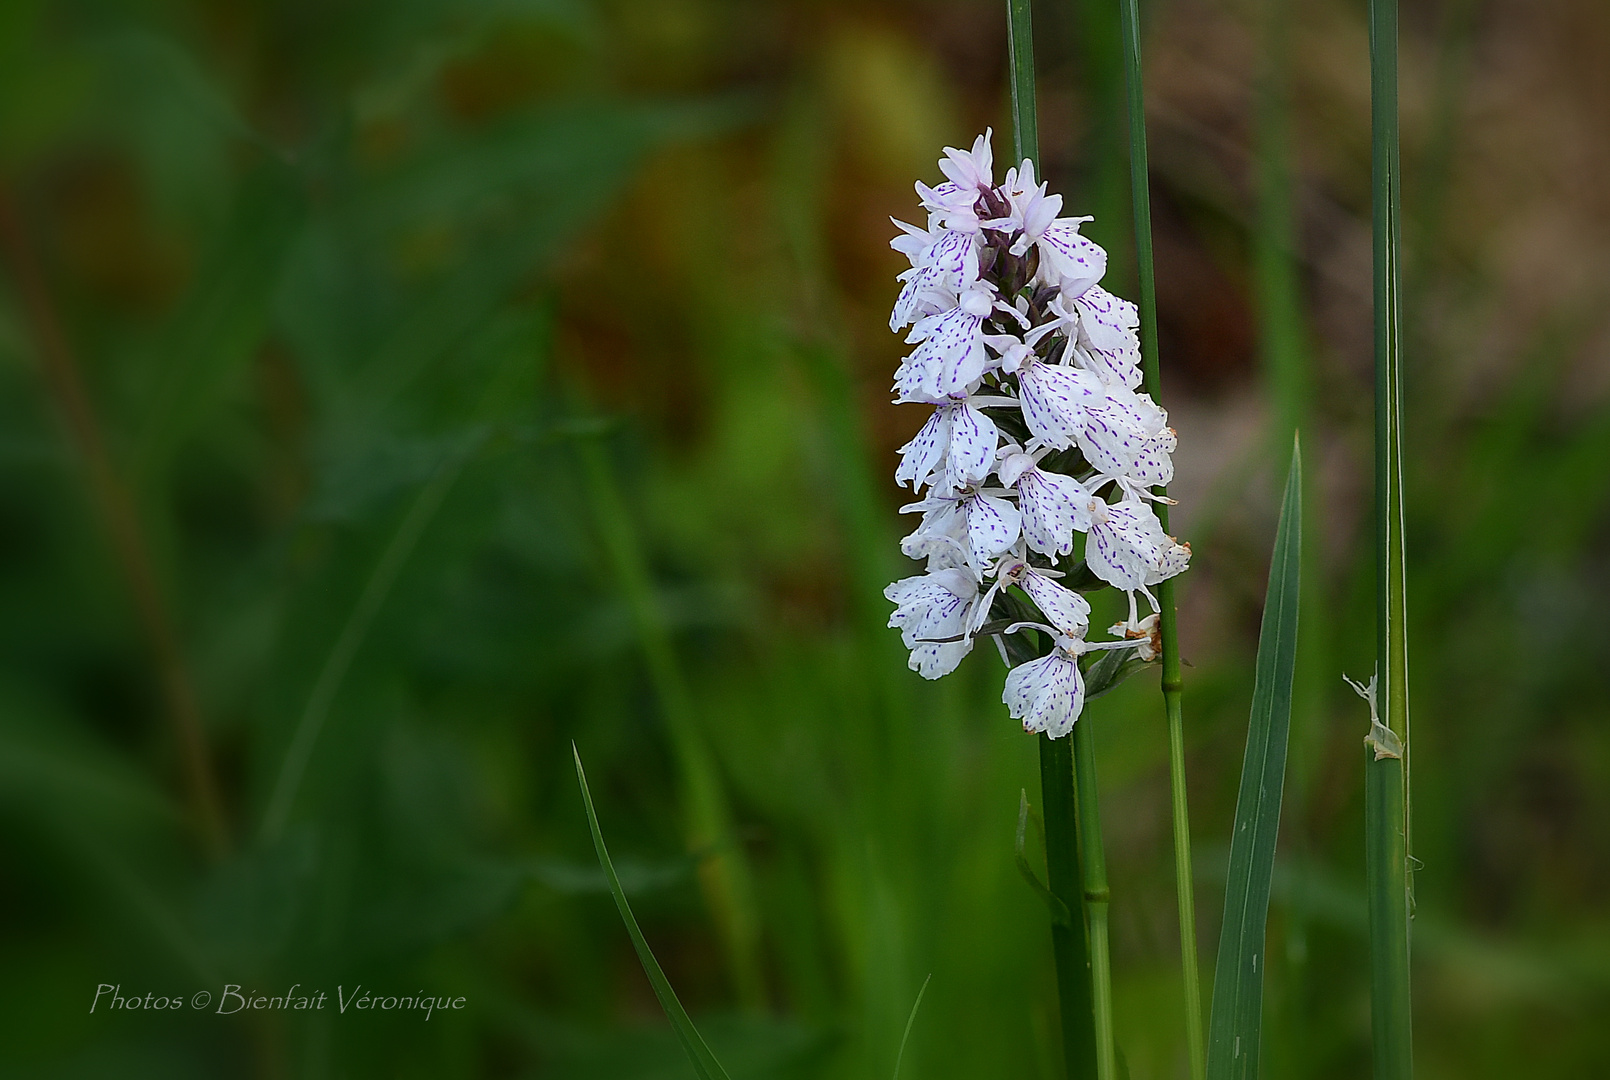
912, 1019
699, 1053
1173, 683
1059, 910
1387, 822
1235, 1029
1020, 49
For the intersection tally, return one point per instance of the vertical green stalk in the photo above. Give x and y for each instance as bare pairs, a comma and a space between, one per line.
1020, 57
1069, 947
1096, 897
1173, 684
1106, 181
1386, 771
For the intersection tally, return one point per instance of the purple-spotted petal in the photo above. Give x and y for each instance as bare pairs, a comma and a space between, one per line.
1071, 262
1046, 694
1125, 435
949, 360
993, 525
920, 457
1106, 321
1054, 400
973, 439
1054, 508
1063, 608
1126, 544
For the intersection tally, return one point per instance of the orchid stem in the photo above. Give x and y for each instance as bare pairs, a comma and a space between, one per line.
1093, 861
1069, 944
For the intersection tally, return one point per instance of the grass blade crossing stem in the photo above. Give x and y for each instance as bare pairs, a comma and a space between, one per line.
1234, 1038
1173, 683
704, 1061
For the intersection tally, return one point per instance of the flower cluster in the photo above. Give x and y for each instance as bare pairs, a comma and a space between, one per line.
1040, 449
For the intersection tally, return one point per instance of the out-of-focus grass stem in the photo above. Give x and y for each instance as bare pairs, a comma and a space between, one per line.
1173, 683
309, 726
723, 869
1386, 804
117, 509
1069, 946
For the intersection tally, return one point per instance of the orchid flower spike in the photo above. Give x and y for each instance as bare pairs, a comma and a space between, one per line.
1035, 469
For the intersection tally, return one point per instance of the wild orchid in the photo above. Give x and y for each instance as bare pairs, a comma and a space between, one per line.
1039, 457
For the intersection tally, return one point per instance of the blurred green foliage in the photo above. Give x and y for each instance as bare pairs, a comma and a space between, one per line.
488, 376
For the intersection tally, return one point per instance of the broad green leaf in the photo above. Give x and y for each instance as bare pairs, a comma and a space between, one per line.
1233, 1032
704, 1062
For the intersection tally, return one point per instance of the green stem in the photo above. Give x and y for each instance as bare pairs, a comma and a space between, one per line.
1096, 896
1106, 182
1020, 50
1386, 800
1068, 945
1173, 684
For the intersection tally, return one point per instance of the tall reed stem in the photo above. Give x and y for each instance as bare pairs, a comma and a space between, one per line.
1069, 946
1093, 860
1386, 802
1173, 684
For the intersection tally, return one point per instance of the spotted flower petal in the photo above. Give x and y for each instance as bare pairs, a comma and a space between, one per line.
930, 611
1069, 261
993, 525
1065, 609
1054, 400
1054, 507
1046, 694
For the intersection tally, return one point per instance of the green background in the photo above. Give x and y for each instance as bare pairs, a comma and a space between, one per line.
463, 380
